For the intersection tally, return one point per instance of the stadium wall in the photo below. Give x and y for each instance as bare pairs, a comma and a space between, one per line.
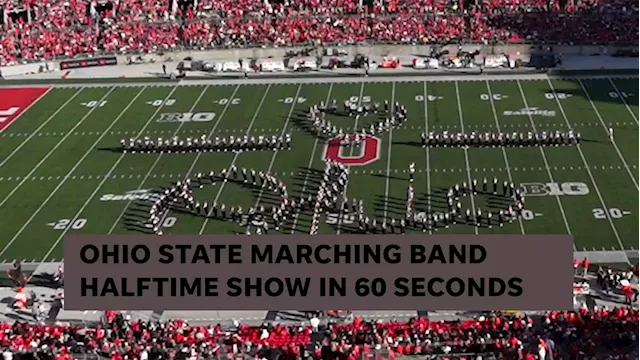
391, 50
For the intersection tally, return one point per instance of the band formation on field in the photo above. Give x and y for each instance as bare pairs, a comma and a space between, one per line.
552, 156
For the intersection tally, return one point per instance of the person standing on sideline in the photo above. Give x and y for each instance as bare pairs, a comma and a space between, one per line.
164, 69
585, 267
315, 323
610, 133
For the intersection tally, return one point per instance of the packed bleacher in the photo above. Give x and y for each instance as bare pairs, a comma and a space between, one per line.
44, 29
603, 334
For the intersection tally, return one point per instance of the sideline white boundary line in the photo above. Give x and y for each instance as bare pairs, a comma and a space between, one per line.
348, 78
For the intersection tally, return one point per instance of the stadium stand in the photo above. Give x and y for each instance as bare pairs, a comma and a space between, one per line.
37, 30
603, 334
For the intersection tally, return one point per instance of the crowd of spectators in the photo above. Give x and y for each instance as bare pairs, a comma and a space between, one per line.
603, 334
43, 29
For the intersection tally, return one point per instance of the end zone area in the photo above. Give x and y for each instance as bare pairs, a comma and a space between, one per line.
61, 171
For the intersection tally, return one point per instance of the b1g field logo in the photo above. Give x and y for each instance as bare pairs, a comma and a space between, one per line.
367, 152
187, 117
555, 189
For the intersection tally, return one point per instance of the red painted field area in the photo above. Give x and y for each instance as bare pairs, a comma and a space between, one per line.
13, 102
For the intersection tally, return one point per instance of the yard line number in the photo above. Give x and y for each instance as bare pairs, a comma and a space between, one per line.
291, 100
421, 98
615, 213
623, 94
166, 223
559, 96
223, 101
357, 99
162, 102
169, 222
64, 224
495, 97
94, 103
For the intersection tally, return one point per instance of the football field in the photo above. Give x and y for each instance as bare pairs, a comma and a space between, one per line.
61, 171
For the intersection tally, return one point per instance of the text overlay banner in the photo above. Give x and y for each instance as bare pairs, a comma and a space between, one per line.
321, 272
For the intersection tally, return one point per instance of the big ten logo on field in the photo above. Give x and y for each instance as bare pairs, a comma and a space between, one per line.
187, 117
555, 189
364, 154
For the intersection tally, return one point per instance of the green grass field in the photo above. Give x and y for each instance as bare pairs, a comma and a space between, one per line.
56, 165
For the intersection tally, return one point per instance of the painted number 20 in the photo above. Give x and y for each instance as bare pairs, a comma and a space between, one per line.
602, 213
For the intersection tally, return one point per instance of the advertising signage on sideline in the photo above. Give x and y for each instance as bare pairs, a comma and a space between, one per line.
84, 63
321, 272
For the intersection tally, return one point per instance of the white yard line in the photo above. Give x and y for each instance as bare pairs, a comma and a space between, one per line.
346, 186
235, 158
546, 163
466, 155
275, 153
426, 150
44, 159
155, 163
39, 127
55, 190
390, 141
604, 126
586, 164
195, 161
306, 176
84, 206
95, 191
504, 151
633, 115
224, 111
27, 109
